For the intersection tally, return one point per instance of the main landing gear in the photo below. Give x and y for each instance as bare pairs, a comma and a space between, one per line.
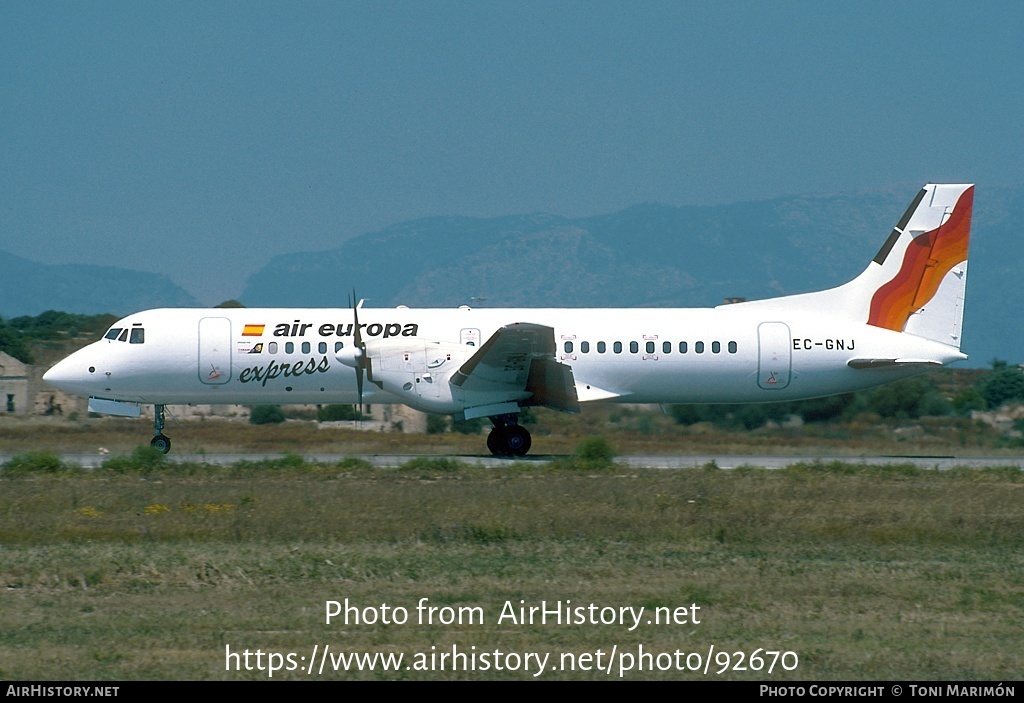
508, 438
160, 440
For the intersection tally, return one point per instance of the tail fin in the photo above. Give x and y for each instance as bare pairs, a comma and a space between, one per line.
916, 282
924, 264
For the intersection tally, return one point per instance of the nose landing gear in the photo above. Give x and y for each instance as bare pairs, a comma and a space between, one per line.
160, 440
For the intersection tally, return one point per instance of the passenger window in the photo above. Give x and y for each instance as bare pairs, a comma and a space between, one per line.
112, 334
698, 347
601, 347
650, 347
305, 347
322, 347
138, 335
617, 347
666, 347
682, 347
634, 347
716, 347
732, 347
289, 347
568, 347
338, 346
585, 347
272, 347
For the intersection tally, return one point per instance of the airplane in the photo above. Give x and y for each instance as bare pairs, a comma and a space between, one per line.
902, 316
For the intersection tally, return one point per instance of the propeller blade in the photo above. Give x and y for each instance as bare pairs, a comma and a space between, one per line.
359, 387
361, 360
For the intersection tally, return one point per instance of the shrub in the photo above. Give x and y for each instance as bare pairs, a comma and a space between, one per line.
437, 424
468, 426
692, 414
266, 415
432, 465
336, 413
44, 462
595, 451
142, 459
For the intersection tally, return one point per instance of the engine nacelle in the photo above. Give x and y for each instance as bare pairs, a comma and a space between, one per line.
418, 371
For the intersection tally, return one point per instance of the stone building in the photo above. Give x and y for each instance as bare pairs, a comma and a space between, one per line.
14, 386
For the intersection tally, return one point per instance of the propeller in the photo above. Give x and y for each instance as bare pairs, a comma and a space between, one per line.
362, 362
356, 356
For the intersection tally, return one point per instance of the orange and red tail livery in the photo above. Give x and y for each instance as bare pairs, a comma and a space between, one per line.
928, 257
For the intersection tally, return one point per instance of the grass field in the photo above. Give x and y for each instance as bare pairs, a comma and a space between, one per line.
630, 429
145, 571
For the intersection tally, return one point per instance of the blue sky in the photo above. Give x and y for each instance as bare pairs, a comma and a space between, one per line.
201, 139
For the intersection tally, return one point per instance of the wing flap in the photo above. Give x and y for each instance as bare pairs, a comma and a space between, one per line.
552, 386
519, 360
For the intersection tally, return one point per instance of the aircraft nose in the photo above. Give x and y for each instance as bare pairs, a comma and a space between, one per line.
66, 375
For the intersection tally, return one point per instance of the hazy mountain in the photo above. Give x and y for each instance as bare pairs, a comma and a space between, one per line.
654, 255
645, 255
28, 288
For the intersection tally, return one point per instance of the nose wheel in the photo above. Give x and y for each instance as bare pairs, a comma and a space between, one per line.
160, 440
508, 438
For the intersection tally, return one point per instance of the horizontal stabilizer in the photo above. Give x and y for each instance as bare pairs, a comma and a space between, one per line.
882, 363
593, 394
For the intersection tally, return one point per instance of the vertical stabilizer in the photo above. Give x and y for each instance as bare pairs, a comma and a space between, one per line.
916, 282
924, 266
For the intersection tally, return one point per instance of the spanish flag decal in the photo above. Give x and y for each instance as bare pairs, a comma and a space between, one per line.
253, 330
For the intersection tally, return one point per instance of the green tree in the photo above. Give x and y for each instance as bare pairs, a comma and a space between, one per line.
1002, 386
910, 397
824, 409
13, 343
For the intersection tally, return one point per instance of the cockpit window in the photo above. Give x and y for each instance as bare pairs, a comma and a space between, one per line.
134, 335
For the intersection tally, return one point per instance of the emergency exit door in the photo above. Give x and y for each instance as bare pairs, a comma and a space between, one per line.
774, 359
215, 350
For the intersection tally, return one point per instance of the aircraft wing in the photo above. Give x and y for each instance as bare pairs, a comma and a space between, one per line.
520, 359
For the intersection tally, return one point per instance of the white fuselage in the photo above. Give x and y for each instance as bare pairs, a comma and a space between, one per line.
730, 354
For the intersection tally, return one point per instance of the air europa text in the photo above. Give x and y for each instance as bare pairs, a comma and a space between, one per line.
298, 328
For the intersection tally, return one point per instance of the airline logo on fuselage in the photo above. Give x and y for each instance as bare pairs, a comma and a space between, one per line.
298, 328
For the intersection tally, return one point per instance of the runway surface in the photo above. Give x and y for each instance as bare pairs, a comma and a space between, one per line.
722, 461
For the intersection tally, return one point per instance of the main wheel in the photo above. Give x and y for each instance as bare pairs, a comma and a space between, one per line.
518, 440
509, 440
495, 441
161, 442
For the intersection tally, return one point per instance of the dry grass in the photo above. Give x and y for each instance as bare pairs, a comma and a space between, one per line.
631, 430
865, 573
